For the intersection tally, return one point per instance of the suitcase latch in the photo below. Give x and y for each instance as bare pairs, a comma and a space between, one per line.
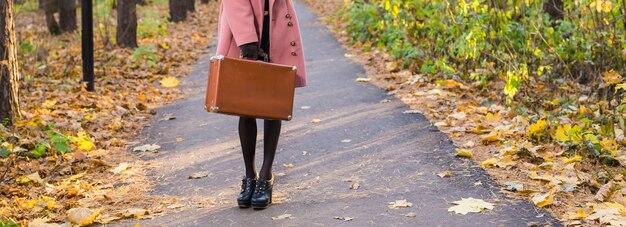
217, 57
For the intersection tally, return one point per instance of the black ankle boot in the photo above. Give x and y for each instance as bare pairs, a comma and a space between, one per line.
262, 196
247, 190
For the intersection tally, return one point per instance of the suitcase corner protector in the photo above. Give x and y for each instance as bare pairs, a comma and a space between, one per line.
289, 118
212, 109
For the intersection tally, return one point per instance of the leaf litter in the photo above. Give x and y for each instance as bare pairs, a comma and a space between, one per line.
79, 138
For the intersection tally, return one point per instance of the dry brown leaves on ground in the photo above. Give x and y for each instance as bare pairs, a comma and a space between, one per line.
544, 150
81, 137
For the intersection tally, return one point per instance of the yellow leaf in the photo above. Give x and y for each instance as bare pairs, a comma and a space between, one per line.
560, 134
609, 145
576, 158
315, 120
488, 162
491, 137
464, 153
49, 103
180, 139
164, 46
545, 177
83, 141
542, 200
360, 79
611, 77
467, 205
169, 82
579, 214
506, 161
537, 128
82, 216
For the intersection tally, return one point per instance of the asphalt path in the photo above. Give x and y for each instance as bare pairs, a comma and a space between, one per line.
361, 142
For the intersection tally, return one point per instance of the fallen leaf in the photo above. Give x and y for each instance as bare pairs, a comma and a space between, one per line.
361, 79
411, 215
469, 144
400, 204
467, 205
82, 216
199, 175
315, 120
412, 112
175, 206
543, 200
512, 186
579, 214
459, 116
441, 124
445, 174
604, 192
288, 165
135, 213
488, 162
344, 218
493, 136
354, 185
283, 217
576, 158
180, 139
33, 177
464, 153
346, 141
611, 77
147, 148
169, 82
121, 167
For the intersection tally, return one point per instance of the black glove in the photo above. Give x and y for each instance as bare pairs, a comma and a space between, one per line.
250, 51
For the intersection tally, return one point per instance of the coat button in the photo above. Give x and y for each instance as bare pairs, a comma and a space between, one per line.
289, 24
293, 43
294, 54
288, 16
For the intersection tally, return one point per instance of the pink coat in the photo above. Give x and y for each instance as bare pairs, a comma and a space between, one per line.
241, 22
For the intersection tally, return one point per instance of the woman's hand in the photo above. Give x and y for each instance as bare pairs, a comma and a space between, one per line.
250, 51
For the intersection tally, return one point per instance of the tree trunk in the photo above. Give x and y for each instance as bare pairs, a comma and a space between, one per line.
126, 23
204, 1
554, 8
178, 10
51, 7
67, 15
191, 5
9, 104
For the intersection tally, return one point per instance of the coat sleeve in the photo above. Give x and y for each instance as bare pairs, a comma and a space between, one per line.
240, 18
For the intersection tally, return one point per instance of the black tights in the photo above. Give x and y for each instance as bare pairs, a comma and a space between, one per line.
247, 136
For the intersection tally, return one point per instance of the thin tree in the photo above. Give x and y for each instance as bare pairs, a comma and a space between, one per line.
9, 103
50, 8
191, 5
178, 10
67, 15
126, 23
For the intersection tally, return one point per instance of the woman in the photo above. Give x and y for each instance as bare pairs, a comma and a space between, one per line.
260, 30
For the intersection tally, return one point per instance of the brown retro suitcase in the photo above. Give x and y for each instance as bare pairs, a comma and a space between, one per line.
250, 88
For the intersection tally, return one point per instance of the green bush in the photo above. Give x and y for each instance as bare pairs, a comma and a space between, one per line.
515, 38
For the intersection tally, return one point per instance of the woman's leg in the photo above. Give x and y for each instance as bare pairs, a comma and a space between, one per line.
271, 135
247, 136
